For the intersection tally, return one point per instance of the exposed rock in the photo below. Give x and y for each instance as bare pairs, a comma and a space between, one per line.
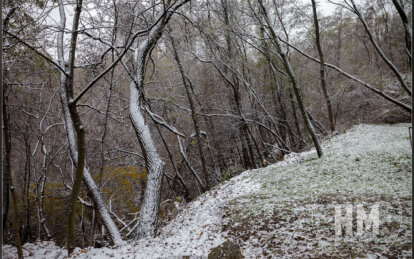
227, 250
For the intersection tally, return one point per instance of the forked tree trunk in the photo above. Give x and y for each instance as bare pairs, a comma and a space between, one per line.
149, 209
148, 217
74, 132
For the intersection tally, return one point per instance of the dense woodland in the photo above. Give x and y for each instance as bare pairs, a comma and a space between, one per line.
116, 112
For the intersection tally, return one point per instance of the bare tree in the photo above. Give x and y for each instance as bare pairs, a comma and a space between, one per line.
322, 67
149, 210
16, 218
407, 26
186, 83
292, 77
7, 143
363, 83
393, 68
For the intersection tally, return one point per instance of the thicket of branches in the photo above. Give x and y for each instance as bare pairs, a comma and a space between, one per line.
152, 103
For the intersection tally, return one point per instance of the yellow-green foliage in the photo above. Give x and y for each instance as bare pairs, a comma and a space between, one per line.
125, 183
53, 201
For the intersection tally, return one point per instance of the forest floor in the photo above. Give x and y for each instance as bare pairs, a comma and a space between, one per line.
288, 209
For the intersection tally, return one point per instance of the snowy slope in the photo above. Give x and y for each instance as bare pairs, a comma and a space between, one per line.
286, 209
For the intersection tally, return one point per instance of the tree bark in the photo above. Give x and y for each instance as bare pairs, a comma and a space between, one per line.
7, 140
67, 88
148, 215
74, 129
407, 27
322, 68
378, 49
7, 143
5, 195
295, 84
193, 113
149, 209
368, 86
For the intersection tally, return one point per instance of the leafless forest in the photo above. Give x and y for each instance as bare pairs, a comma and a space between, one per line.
114, 111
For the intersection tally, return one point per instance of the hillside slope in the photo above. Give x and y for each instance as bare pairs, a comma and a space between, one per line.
287, 209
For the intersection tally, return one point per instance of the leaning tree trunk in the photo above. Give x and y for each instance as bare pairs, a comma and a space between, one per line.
193, 113
407, 27
322, 68
74, 130
88, 180
295, 84
393, 68
149, 209
148, 217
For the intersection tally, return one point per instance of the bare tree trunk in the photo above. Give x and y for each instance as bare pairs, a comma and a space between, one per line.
26, 190
283, 122
193, 113
256, 146
322, 67
407, 27
7, 140
380, 52
5, 195
294, 113
7, 143
177, 173
67, 87
41, 195
368, 86
295, 84
75, 132
187, 162
148, 217
149, 210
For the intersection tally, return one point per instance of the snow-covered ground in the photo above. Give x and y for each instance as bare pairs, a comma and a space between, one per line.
293, 215
287, 209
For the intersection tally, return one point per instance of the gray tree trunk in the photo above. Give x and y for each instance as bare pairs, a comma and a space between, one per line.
193, 114
407, 27
5, 194
147, 222
295, 84
72, 130
7, 140
322, 68
378, 49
